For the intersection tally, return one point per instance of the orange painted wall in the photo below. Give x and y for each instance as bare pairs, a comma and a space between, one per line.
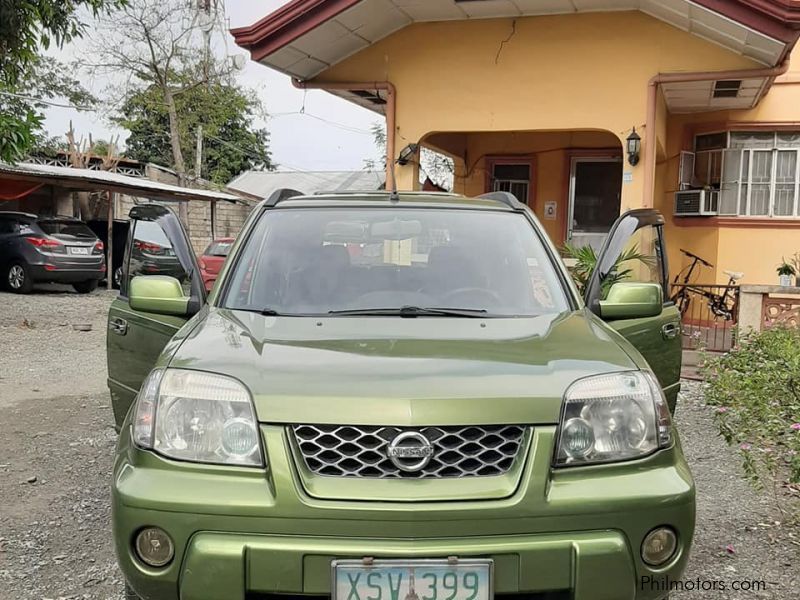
569, 72
560, 72
756, 251
549, 152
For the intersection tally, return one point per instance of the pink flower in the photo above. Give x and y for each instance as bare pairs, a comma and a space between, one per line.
722, 409
795, 427
730, 549
745, 447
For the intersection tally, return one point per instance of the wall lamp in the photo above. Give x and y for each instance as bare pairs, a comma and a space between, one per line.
634, 143
406, 154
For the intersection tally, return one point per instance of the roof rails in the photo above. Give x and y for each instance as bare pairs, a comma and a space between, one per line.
282, 194
382, 193
506, 198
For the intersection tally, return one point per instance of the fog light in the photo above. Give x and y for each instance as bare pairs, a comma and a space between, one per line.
659, 546
154, 547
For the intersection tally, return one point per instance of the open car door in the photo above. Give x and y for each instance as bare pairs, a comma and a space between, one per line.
634, 253
157, 245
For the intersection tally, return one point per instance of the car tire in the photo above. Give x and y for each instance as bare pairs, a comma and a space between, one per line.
18, 278
117, 281
130, 594
85, 287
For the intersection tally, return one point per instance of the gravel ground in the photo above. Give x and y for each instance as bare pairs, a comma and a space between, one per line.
740, 535
50, 357
58, 441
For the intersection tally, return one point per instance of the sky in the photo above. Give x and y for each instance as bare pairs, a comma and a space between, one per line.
298, 142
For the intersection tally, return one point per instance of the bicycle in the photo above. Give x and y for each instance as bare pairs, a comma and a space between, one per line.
720, 305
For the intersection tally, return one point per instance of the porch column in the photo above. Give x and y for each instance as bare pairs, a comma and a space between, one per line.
407, 177
459, 175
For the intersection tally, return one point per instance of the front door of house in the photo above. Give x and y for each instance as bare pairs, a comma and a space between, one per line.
594, 199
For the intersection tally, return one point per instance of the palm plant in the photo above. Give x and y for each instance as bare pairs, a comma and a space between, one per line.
586, 262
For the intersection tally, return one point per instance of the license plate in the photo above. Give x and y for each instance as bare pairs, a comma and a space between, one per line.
469, 579
78, 250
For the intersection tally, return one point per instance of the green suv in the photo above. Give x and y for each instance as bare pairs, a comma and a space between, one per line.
397, 397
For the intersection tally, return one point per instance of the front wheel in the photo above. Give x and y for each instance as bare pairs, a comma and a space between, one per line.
85, 287
18, 278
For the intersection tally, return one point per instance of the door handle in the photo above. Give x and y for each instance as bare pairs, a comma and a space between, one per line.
118, 326
670, 331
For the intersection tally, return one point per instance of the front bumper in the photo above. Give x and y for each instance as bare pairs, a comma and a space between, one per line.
239, 533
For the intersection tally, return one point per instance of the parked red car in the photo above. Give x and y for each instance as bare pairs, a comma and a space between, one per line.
212, 259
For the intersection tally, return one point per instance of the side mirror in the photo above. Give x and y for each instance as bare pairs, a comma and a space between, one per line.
159, 294
632, 301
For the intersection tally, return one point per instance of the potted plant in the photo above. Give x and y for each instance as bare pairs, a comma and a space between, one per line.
785, 273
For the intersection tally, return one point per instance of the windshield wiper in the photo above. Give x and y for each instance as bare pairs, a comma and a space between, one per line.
414, 311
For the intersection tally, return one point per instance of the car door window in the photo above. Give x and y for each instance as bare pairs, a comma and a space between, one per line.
7, 226
641, 261
152, 253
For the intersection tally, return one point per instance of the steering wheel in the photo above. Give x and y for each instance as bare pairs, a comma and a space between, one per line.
470, 293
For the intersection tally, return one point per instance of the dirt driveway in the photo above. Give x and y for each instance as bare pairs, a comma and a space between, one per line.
57, 444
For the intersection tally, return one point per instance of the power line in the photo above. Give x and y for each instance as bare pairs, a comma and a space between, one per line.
349, 128
244, 151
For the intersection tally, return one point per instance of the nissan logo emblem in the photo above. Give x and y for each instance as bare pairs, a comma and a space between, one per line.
410, 451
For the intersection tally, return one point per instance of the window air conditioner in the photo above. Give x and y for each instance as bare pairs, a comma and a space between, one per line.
696, 203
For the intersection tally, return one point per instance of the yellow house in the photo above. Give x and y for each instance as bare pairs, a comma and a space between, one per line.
542, 97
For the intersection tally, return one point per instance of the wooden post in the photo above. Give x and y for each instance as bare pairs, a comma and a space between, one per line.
213, 220
112, 197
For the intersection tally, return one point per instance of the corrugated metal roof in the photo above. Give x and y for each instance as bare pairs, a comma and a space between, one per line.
263, 183
87, 179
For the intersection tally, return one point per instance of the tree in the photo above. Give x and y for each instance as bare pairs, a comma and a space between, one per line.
154, 43
25, 29
232, 143
41, 80
30, 26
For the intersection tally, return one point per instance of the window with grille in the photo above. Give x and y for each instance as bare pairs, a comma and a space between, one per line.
758, 173
514, 178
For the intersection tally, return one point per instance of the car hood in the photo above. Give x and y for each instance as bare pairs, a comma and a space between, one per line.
403, 371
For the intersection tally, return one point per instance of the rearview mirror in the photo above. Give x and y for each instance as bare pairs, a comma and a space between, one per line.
395, 229
159, 294
632, 301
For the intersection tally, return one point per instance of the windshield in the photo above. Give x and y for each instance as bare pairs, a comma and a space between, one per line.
322, 261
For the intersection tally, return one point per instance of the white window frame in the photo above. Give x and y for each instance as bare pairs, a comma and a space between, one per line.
747, 178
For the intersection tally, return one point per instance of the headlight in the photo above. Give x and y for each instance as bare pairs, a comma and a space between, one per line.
611, 418
198, 417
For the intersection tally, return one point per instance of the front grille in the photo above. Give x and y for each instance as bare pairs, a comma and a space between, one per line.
362, 450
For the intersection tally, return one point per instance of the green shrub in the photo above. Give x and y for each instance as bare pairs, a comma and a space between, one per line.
586, 262
756, 391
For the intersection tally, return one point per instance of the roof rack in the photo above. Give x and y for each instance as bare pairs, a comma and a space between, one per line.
506, 198
381, 193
